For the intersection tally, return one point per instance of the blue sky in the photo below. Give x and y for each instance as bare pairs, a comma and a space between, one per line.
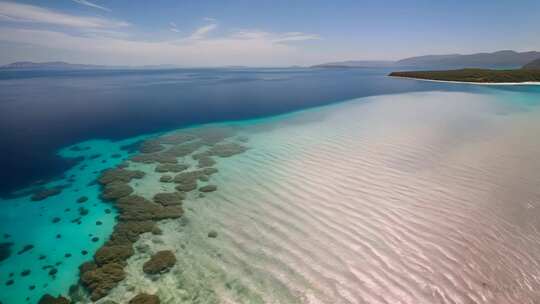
260, 33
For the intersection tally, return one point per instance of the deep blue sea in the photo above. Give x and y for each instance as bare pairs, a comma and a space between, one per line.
42, 111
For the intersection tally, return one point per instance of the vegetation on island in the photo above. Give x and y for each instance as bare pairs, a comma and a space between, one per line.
533, 65
475, 75
530, 72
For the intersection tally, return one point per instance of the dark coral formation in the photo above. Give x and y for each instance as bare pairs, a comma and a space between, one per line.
160, 262
137, 208
25, 249
116, 190
48, 299
166, 179
155, 157
119, 175
226, 149
171, 168
113, 254
5, 250
208, 188
138, 215
42, 194
151, 146
206, 161
101, 279
169, 199
144, 298
82, 199
187, 181
212, 136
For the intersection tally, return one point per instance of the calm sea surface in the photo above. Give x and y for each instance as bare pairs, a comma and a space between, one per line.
42, 111
397, 191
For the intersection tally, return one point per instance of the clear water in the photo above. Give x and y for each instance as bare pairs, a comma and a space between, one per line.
374, 179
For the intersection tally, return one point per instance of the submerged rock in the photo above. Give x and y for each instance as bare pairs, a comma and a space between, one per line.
166, 179
209, 171
184, 149
211, 136
161, 157
82, 199
113, 254
5, 250
83, 211
100, 280
151, 146
94, 156
206, 161
160, 262
186, 187
137, 208
227, 149
116, 190
25, 249
188, 180
171, 168
169, 199
144, 298
45, 193
126, 233
208, 188
119, 175
48, 299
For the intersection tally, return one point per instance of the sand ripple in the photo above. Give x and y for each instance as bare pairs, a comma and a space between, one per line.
414, 198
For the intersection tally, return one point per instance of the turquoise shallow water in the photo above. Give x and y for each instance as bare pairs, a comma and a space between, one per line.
27, 222
30, 222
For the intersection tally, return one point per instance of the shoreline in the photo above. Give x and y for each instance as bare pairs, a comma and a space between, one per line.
470, 82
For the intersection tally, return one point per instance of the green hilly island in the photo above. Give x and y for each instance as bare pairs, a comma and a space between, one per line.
528, 73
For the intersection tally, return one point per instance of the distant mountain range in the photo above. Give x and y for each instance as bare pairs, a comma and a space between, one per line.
53, 65
500, 59
356, 64
61, 65
533, 65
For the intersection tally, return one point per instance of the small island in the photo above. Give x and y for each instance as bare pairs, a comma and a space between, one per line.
528, 73
475, 75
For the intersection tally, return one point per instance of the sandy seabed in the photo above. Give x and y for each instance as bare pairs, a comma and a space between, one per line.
412, 198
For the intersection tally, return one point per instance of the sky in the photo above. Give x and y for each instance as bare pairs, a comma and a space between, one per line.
259, 32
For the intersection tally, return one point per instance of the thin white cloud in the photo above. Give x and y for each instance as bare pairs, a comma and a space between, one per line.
15, 12
209, 19
93, 5
202, 31
276, 38
173, 27
296, 36
236, 48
